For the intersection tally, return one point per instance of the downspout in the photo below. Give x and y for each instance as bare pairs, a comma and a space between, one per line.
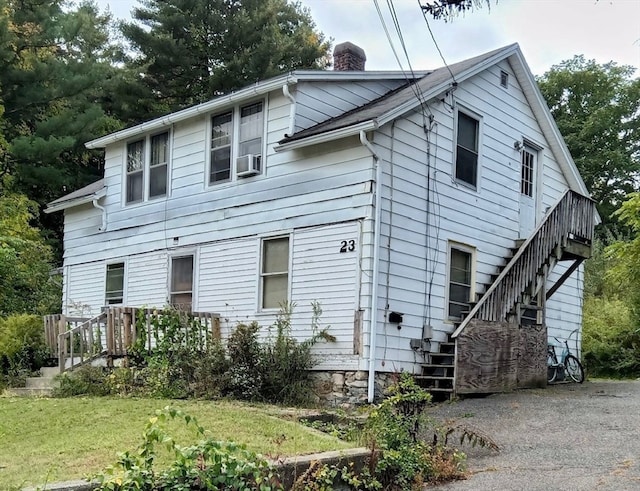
376, 267
103, 227
292, 110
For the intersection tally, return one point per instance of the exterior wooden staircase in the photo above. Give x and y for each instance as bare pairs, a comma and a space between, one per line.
517, 292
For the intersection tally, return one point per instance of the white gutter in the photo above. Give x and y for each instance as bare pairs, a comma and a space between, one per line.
76, 202
328, 136
376, 267
292, 110
102, 227
206, 107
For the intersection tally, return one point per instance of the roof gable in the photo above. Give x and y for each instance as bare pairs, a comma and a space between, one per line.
397, 103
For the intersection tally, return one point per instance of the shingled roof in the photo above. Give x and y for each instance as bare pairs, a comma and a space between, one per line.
385, 104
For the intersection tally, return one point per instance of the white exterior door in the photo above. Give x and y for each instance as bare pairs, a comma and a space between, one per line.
529, 162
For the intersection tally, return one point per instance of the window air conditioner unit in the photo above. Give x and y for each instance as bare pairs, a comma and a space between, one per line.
248, 165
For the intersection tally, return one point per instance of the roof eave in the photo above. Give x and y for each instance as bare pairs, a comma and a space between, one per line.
257, 89
64, 205
328, 136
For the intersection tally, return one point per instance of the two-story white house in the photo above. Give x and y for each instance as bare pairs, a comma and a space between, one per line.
395, 202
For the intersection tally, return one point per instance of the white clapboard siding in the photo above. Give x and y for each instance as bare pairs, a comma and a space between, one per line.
414, 262
296, 189
147, 280
564, 308
317, 102
325, 275
84, 289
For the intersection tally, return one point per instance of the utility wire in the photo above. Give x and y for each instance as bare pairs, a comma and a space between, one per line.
426, 20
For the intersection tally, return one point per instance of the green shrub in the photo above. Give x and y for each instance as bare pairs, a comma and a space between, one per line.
86, 380
211, 374
207, 465
245, 355
610, 338
288, 378
22, 347
409, 457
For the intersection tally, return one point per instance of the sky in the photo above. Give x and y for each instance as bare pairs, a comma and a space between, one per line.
548, 31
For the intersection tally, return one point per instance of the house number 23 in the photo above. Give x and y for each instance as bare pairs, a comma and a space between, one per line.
347, 245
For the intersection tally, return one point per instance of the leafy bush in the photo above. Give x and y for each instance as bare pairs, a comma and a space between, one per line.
245, 355
22, 347
207, 465
397, 429
288, 378
187, 362
86, 380
610, 339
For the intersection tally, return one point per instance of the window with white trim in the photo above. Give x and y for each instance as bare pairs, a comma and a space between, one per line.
147, 168
236, 143
467, 136
528, 169
114, 284
181, 282
460, 287
274, 272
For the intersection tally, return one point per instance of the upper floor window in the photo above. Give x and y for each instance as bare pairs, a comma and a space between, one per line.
147, 163
527, 173
467, 149
239, 155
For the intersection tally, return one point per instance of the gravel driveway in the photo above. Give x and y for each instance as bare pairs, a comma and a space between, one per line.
565, 437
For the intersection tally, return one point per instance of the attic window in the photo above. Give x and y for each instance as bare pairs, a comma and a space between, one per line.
504, 79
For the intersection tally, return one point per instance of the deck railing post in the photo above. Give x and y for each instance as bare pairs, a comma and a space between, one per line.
126, 326
62, 341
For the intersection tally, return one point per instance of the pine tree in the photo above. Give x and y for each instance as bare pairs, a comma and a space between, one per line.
190, 51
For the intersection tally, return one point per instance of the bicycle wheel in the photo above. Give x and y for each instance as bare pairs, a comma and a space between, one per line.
574, 369
552, 367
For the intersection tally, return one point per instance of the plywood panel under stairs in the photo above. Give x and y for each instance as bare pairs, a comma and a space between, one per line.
499, 357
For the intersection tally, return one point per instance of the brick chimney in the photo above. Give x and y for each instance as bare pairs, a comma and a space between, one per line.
347, 56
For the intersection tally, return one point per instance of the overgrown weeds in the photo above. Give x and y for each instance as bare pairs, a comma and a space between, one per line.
188, 362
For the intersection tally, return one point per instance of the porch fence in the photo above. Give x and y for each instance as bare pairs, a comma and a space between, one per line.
112, 333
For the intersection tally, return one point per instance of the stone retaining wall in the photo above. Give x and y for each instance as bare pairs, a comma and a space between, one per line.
347, 389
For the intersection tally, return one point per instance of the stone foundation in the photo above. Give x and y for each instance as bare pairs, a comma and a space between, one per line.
347, 389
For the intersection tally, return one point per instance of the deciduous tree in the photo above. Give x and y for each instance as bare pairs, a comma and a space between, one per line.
597, 109
25, 261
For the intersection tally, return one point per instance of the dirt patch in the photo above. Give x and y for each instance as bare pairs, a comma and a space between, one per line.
578, 437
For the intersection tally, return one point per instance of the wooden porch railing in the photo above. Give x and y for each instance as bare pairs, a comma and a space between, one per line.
113, 332
572, 218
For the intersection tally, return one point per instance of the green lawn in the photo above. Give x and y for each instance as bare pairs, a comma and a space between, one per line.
47, 440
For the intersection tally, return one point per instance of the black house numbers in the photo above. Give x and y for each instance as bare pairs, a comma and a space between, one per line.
347, 245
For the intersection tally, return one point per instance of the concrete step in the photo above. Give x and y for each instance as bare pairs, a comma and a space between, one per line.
41, 383
28, 392
49, 371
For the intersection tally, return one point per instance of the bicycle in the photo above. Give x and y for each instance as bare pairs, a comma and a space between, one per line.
570, 365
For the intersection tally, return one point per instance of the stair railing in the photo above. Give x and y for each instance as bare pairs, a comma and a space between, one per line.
572, 217
82, 343
113, 332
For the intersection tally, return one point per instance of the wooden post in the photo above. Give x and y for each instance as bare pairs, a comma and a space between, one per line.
109, 337
215, 328
62, 346
126, 325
